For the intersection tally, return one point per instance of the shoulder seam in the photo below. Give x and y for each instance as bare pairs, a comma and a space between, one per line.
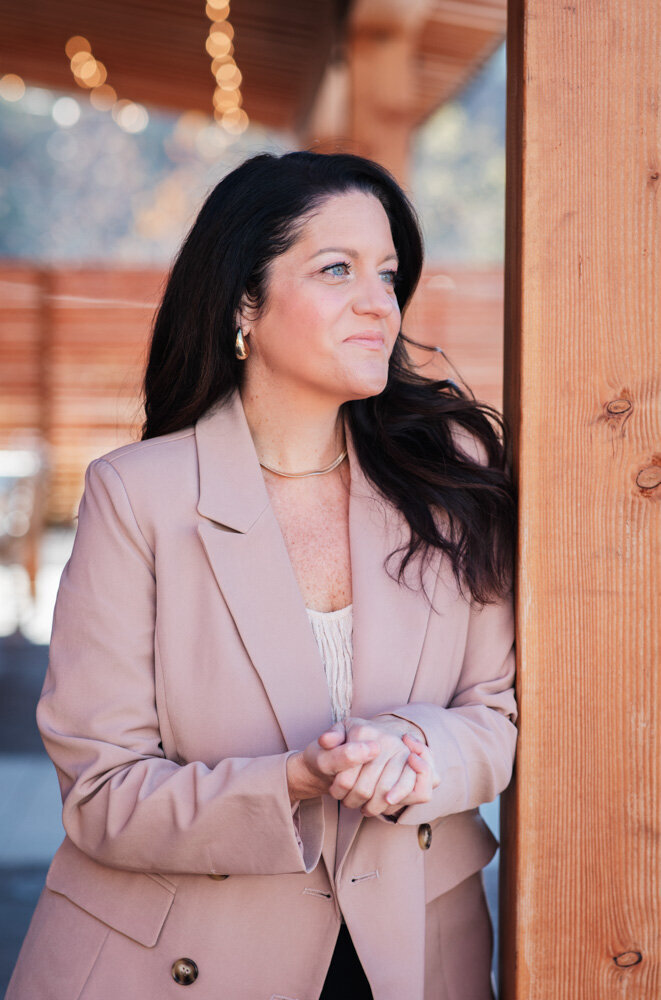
128, 500
185, 432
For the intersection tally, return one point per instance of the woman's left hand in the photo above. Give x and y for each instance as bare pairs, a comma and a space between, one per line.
366, 786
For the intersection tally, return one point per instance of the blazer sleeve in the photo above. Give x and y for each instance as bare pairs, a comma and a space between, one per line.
124, 803
473, 739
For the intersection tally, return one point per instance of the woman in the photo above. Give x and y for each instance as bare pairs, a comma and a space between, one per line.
271, 748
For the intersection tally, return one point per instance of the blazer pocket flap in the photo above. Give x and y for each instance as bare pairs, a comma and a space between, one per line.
133, 903
460, 845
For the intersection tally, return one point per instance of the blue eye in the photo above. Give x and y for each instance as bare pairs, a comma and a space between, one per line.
345, 264
339, 264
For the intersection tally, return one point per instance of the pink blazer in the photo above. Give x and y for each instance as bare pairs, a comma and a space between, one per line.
182, 673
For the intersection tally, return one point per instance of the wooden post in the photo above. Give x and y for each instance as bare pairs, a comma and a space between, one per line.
382, 59
367, 104
580, 915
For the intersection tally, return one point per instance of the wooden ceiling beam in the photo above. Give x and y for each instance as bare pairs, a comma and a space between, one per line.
290, 55
157, 56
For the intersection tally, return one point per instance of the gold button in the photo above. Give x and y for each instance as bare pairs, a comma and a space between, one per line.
219, 878
184, 971
424, 836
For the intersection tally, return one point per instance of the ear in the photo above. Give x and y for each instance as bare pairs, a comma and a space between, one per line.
245, 315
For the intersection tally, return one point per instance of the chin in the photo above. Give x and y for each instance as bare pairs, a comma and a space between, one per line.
364, 388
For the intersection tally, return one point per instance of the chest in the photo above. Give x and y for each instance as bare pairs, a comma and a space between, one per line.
315, 526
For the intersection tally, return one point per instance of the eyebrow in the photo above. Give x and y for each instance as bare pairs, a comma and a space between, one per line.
352, 253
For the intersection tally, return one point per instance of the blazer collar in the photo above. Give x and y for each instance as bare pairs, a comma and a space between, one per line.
246, 549
232, 487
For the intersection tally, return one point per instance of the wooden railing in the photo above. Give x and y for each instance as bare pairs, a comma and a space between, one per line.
73, 346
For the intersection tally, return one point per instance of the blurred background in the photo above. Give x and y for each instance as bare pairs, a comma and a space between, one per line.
116, 120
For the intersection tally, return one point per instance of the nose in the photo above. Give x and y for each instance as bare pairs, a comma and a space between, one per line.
373, 296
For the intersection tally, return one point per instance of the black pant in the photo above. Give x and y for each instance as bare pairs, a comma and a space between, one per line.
345, 976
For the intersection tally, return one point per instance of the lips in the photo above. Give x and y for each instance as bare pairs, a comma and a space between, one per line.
373, 340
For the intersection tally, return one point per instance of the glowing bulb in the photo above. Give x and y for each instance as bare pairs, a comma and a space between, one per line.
130, 116
80, 59
77, 43
66, 111
12, 87
235, 120
217, 9
218, 44
229, 77
102, 98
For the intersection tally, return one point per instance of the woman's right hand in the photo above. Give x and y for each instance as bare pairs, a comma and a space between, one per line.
311, 772
404, 793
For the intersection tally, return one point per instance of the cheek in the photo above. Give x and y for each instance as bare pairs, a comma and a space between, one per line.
305, 319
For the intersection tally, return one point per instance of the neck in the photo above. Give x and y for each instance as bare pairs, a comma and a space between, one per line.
293, 433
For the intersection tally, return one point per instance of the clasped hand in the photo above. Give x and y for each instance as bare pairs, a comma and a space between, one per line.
374, 765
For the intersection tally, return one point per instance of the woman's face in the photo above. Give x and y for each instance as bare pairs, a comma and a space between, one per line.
334, 285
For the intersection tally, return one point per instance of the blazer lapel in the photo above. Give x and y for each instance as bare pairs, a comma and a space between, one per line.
389, 620
246, 549
249, 558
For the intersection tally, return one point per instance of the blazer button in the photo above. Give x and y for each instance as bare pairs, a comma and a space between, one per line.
424, 836
184, 971
219, 878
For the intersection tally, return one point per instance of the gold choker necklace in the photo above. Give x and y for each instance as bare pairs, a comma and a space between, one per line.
315, 472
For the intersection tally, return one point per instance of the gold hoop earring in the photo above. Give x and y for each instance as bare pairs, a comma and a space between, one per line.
241, 348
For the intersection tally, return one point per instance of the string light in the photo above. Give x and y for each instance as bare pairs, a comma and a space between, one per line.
227, 98
90, 74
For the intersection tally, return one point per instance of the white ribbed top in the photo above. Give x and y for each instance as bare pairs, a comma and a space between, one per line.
333, 632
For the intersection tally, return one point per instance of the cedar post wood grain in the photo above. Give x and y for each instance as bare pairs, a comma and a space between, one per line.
580, 909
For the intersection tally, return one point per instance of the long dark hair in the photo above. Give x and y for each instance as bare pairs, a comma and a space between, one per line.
404, 436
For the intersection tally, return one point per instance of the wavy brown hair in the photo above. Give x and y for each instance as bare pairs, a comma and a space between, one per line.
404, 436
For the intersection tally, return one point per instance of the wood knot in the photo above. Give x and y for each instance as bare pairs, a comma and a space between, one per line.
627, 959
649, 478
617, 407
